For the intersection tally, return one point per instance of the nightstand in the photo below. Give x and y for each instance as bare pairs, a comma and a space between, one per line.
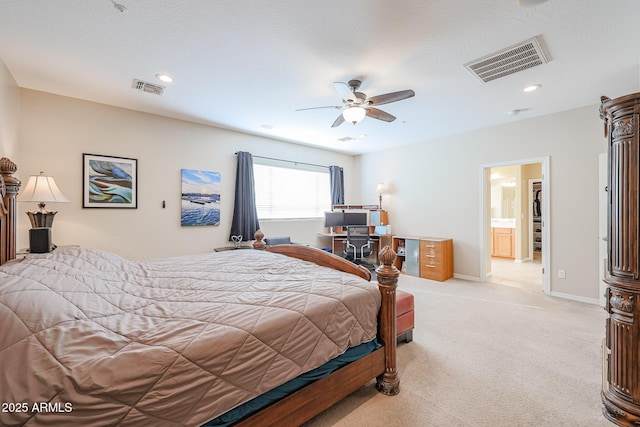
21, 253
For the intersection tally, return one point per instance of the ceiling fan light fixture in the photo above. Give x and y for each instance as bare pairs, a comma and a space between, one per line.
354, 114
119, 7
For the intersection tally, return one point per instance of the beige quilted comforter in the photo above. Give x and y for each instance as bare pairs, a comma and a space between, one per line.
89, 338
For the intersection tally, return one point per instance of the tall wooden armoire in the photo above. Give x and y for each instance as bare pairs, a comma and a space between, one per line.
621, 363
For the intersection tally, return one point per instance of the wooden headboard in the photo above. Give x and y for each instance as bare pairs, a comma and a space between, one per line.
9, 188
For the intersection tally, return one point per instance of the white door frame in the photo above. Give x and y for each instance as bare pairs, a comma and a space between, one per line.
603, 200
485, 217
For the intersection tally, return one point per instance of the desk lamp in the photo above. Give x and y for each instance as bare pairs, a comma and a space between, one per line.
380, 190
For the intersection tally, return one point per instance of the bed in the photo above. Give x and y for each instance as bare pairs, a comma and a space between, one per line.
92, 338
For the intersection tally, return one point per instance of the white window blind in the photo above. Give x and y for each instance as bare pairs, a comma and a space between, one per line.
287, 192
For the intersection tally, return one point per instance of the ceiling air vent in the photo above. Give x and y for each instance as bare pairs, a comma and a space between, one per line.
519, 57
148, 87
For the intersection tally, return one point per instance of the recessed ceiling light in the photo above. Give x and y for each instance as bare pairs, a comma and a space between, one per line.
532, 88
164, 78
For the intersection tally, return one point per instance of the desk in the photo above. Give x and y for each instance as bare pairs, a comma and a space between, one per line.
426, 257
379, 242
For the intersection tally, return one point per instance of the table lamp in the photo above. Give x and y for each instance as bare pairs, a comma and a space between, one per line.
41, 189
379, 191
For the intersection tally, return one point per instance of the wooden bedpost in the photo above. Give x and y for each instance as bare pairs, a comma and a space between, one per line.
304, 404
9, 188
259, 244
388, 383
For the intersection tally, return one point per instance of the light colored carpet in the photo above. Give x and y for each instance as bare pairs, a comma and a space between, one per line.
489, 354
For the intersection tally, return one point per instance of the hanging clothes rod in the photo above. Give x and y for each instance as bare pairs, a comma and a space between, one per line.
289, 161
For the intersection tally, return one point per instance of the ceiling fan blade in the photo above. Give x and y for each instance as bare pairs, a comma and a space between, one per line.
390, 97
379, 114
345, 92
338, 122
315, 108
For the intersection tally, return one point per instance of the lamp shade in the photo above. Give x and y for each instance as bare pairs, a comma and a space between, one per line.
354, 114
41, 188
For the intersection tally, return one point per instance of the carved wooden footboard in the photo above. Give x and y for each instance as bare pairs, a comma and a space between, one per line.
381, 364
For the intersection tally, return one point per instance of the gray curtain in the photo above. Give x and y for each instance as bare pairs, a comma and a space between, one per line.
337, 185
245, 215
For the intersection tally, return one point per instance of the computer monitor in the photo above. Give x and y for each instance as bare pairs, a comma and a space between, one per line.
333, 219
355, 218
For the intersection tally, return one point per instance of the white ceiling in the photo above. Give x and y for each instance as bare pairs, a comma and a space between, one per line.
248, 65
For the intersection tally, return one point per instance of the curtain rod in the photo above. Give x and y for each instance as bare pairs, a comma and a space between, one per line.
288, 161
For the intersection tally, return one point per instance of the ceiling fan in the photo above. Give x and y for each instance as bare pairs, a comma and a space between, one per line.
356, 105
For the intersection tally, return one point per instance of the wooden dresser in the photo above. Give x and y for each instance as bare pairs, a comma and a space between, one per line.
621, 363
436, 259
426, 257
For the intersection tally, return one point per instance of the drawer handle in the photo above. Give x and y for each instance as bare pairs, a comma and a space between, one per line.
429, 256
429, 246
430, 266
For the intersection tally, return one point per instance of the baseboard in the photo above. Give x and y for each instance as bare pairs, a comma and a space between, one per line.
464, 277
592, 301
586, 300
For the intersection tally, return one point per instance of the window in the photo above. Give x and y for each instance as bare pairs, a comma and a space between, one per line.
286, 192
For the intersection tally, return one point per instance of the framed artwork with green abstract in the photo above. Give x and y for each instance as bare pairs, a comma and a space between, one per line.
109, 182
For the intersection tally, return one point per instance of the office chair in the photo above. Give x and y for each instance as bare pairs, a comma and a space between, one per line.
358, 244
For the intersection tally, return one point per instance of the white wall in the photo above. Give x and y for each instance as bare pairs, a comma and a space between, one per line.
434, 186
9, 114
55, 131
437, 185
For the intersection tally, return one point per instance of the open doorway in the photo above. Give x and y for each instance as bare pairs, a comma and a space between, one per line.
515, 224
